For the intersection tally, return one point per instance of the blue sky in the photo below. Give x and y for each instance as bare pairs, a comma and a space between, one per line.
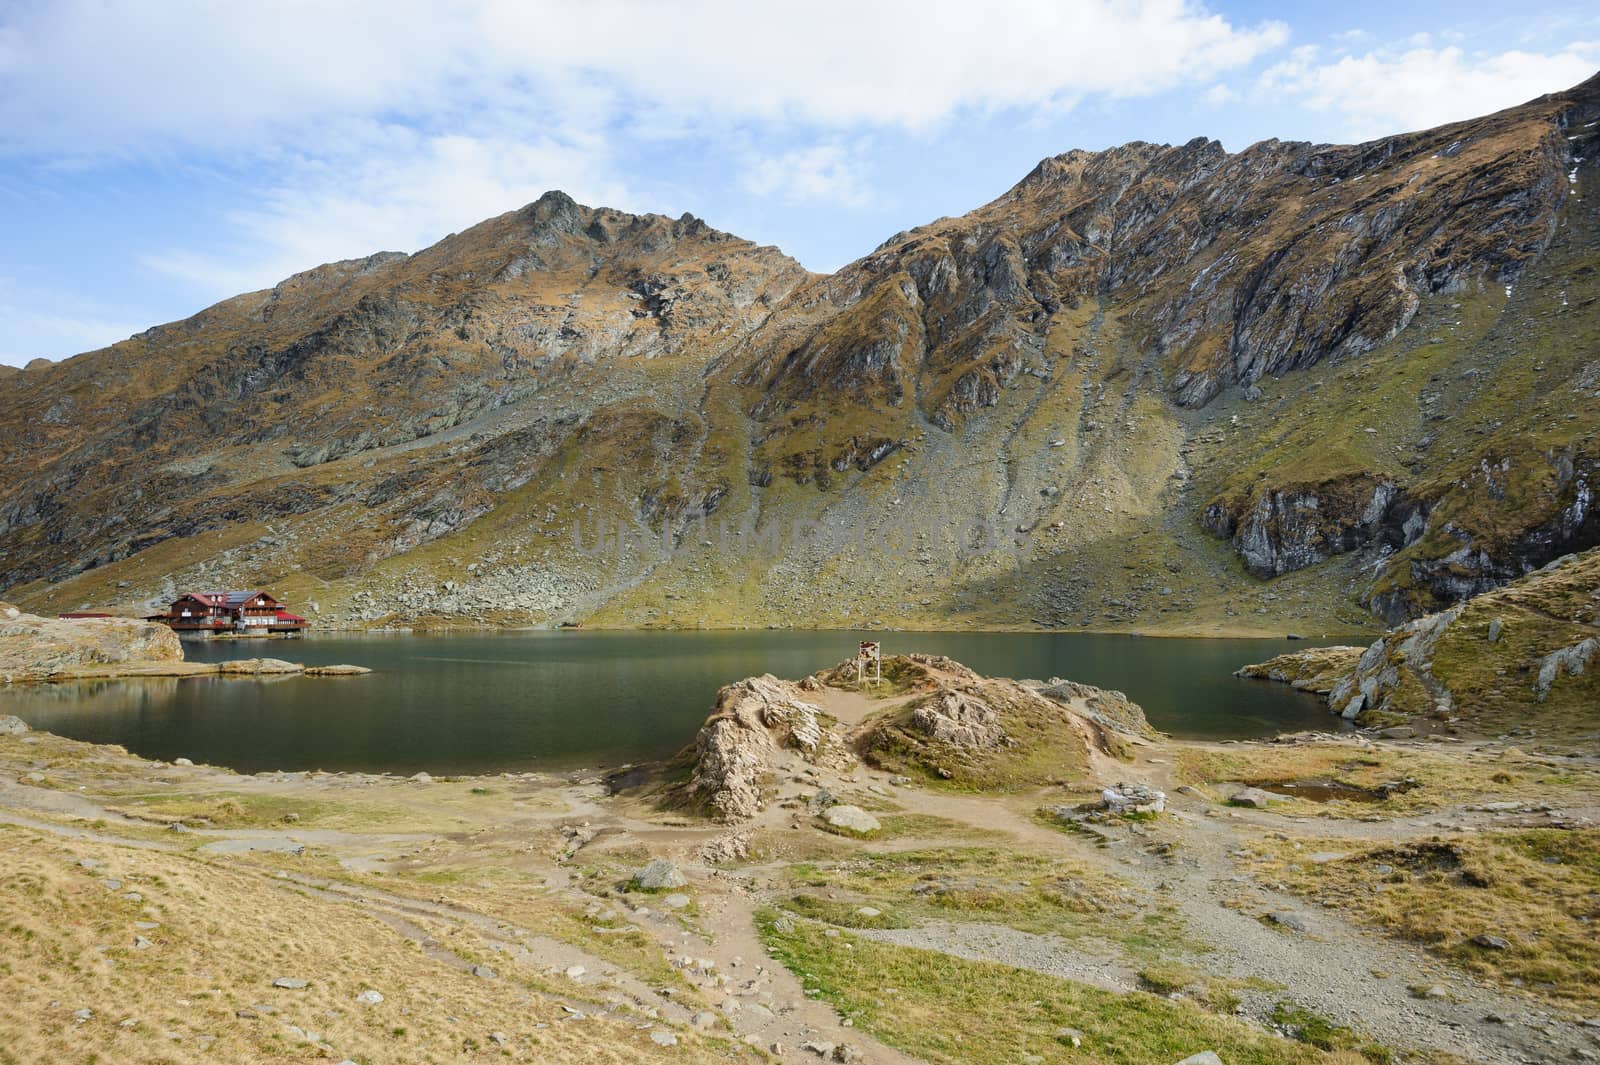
158, 156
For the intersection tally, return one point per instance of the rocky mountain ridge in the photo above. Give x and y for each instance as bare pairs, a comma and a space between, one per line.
1158, 387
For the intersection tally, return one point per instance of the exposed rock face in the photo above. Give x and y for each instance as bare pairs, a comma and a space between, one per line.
1396, 669
958, 719
1568, 661
1105, 707
734, 751
32, 648
994, 732
1284, 529
1510, 658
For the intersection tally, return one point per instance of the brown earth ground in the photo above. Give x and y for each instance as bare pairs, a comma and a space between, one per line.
493, 914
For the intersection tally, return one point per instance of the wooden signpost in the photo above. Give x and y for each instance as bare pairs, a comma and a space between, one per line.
869, 664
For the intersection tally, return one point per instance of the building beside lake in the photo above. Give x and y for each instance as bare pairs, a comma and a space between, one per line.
230, 614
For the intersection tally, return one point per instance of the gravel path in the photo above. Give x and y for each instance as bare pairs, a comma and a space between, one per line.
1050, 955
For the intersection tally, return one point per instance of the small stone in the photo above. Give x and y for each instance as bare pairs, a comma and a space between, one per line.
675, 901
290, 983
182, 761
821, 1050
128, 1022
703, 1019
141, 943
498, 1038
1070, 1036
82, 1016
1205, 1057
575, 972
421, 778
1488, 942
1291, 921
483, 972
369, 997
868, 912
664, 1038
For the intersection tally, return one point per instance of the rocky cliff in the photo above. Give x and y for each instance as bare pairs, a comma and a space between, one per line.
1156, 387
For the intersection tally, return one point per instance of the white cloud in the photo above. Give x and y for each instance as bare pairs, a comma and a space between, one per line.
90, 76
1381, 92
392, 189
386, 123
824, 172
1219, 95
40, 322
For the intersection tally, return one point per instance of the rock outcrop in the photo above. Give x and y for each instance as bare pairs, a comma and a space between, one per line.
1286, 528
33, 648
958, 719
1513, 660
939, 719
994, 732
1317, 669
735, 750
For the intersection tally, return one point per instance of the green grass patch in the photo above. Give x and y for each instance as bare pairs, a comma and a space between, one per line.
950, 1011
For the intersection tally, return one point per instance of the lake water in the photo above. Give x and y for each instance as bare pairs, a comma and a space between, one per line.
484, 702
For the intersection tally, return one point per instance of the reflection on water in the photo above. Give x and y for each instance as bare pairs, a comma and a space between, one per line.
489, 701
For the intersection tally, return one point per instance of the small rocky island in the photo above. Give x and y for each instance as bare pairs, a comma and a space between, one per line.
34, 649
943, 867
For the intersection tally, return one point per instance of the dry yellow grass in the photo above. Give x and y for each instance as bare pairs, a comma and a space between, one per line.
222, 933
1536, 890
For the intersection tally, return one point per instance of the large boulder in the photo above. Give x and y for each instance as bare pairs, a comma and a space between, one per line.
754, 720
34, 648
851, 819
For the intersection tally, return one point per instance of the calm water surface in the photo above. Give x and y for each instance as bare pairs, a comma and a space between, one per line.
560, 700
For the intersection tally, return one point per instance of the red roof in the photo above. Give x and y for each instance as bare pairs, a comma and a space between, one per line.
284, 615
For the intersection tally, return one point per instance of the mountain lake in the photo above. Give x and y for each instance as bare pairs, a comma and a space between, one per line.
566, 700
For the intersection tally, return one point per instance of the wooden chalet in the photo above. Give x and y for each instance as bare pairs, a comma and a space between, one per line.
230, 614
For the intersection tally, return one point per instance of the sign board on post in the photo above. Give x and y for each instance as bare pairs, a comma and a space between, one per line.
869, 664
